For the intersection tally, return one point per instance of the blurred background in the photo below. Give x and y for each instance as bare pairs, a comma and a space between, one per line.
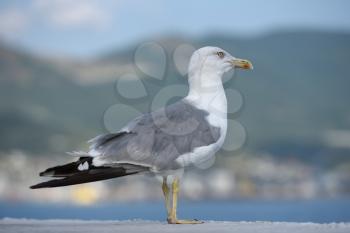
287, 155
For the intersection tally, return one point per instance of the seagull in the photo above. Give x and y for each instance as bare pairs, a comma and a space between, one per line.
164, 142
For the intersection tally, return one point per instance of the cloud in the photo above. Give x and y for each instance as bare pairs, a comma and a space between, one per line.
72, 14
13, 22
59, 14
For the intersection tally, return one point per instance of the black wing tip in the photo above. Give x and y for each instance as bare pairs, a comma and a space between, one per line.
47, 184
48, 172
36, 186
96, 174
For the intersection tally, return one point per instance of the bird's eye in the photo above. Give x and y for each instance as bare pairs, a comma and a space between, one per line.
221, 54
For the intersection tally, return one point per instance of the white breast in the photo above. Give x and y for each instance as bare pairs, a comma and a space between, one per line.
216, 105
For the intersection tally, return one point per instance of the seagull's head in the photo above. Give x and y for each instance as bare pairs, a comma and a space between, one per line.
215, 60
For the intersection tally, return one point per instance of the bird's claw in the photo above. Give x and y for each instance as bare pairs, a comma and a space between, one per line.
177, 221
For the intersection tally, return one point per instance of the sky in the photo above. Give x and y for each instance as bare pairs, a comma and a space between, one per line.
84, 28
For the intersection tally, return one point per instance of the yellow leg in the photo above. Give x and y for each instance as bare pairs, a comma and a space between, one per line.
166, 192
172, 219
175, 187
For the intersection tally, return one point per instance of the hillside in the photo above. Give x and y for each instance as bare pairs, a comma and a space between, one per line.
297, 93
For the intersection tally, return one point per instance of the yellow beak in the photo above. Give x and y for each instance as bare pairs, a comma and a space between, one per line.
241, 63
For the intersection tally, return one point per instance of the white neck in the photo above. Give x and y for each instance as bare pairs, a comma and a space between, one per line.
207, 92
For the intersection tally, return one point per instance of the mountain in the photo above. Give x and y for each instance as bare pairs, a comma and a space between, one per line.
297, 93
299, 89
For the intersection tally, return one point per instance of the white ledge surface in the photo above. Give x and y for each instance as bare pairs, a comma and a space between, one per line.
10, 225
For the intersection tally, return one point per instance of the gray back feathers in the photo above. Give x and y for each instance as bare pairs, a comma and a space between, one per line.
156, 139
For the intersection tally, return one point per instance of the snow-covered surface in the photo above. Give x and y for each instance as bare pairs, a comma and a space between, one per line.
10, 225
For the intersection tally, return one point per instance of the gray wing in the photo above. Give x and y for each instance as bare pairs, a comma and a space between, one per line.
156, 139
